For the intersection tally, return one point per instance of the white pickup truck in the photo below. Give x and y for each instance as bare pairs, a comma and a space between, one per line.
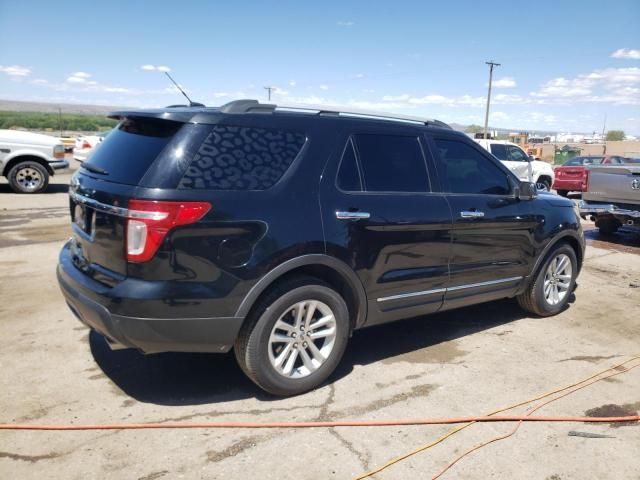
524, 166
28, 159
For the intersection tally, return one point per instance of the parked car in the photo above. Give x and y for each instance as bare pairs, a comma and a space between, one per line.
572, 175
85, 144
68, 142
612, 197
28, 159
278, 232
524, 166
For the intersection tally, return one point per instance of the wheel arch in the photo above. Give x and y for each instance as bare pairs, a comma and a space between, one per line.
26, 158
328, 269
567, 236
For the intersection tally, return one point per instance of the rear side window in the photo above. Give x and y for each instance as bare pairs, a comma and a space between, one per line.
499, 151
392, 163
242, 158
466, 170
128, 151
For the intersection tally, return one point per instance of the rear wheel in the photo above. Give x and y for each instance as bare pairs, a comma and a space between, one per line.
608, 225
295, 337
28, 177
554, 282
563, 193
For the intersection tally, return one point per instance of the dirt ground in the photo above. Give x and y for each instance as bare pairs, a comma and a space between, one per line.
465, 362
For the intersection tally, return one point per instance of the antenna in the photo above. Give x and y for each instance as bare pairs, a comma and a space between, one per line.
191, 103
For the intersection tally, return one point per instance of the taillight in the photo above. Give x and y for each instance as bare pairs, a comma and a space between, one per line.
86, 144
585, 180
149, 221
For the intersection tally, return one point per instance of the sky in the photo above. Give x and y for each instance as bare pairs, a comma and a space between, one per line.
565, 66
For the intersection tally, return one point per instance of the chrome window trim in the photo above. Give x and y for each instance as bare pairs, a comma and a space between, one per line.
113, 210
448, 289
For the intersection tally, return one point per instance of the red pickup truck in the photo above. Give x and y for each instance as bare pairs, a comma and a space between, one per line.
573, 175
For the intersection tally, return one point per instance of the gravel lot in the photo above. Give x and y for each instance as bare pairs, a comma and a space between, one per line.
465, 362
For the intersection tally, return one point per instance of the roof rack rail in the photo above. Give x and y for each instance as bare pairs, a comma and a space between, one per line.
247, 106
253, 106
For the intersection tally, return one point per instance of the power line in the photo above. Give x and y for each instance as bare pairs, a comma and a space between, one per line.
486, 115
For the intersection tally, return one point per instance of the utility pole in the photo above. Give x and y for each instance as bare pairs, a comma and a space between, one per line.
269, 90
60, 119
486, 115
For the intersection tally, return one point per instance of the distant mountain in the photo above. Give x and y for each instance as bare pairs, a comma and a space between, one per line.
42, 107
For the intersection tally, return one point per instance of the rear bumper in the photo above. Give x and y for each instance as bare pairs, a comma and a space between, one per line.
598, 209
151, 335
571, 185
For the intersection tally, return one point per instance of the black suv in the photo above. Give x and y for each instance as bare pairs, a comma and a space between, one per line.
277, 232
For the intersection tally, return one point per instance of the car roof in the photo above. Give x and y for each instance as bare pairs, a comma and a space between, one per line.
199, 114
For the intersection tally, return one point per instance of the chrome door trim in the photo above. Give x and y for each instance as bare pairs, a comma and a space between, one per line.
448, 289
483, 284
409, 295
466, 214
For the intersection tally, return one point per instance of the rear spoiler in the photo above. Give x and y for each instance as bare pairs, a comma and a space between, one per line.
175, 114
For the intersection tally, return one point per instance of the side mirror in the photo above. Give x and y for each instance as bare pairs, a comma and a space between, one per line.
526, 191
531, 158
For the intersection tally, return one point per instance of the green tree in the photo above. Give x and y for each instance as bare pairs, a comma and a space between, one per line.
474, 129
615, 135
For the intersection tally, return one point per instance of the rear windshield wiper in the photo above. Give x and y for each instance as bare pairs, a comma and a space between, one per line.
93, 169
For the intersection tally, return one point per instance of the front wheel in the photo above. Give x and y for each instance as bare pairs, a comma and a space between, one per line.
28, 177
554, 282
295, 338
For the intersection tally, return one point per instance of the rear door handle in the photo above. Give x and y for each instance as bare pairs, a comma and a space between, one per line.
352, 215
469, 214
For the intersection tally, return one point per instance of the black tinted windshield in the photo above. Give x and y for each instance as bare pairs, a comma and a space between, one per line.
128, 151
579, 161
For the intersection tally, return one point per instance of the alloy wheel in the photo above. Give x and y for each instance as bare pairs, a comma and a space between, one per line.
557, 279
29, 179
302, 339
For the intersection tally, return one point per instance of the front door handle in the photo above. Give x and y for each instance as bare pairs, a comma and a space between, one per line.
352, 215
469, 214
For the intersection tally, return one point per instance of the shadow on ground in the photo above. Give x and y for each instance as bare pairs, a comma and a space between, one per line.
193, 379
51, 188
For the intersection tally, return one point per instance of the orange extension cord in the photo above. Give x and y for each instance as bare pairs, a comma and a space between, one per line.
336, 423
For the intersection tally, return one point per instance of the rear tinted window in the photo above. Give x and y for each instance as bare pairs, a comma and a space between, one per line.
577, 161
129, 150
392, 163
242, 158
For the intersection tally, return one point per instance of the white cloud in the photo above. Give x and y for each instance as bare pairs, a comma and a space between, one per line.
39, 81
607, 85
359, 75
81, 77
499, 116
229, 95
279, 91
292, 83
347, 23
504, 82
15, 70
633, 54
158, 68
408, 100
324, 87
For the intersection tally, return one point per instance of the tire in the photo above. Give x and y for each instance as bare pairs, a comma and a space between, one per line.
534, 299
608, 226
28, 177
543, 185
259, 356
563, 193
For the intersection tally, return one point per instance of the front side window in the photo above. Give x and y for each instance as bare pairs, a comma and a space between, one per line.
499, 151
466, 170
392, 163
516, 154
